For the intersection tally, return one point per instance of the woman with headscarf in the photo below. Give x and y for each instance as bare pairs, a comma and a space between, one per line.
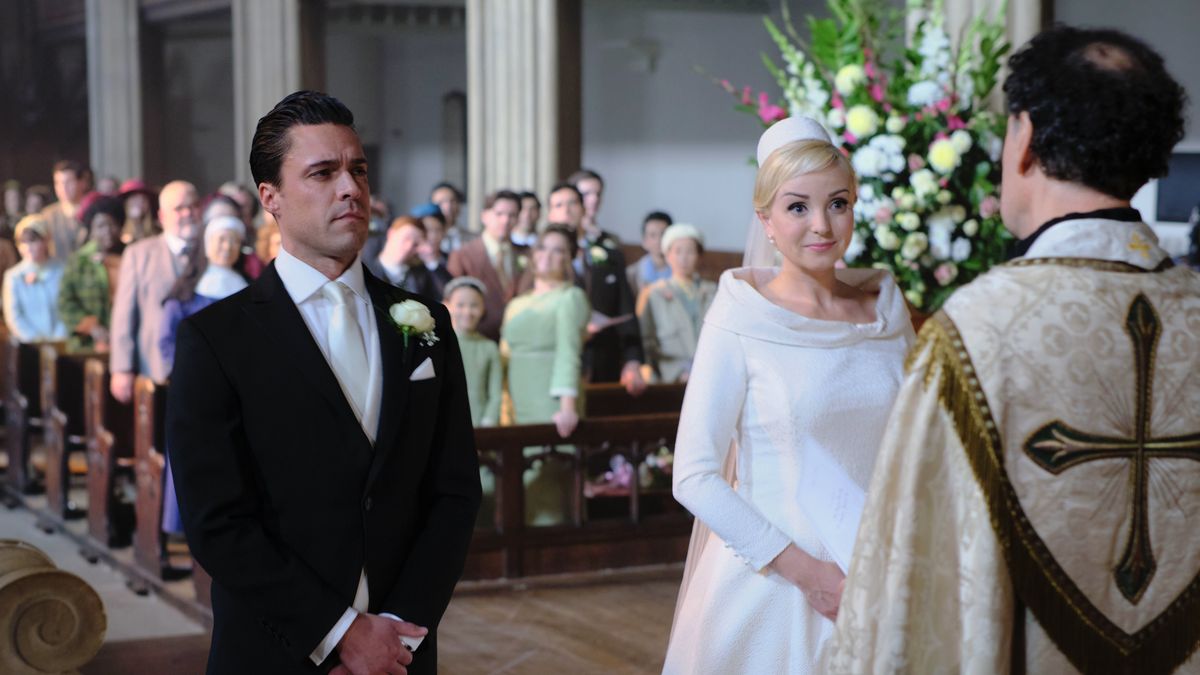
30, 287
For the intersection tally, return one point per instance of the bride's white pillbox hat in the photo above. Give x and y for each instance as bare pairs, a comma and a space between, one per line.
789, 130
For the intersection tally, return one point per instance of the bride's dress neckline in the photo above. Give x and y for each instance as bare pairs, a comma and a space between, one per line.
740, 307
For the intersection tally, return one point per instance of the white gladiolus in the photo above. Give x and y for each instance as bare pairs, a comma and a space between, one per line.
924, 93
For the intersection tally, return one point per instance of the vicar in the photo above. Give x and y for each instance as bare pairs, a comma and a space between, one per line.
1034, 503
320, 433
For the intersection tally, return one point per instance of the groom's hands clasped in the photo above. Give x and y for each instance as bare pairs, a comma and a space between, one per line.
372, 645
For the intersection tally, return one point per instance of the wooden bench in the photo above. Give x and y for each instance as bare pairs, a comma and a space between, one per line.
649, 527
109, 429
64, 428
149, 405
23, 410
609, 399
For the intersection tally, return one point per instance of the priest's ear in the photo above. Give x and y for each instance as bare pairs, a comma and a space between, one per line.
1018, 143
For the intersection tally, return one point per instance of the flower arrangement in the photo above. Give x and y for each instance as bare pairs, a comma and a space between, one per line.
910, 115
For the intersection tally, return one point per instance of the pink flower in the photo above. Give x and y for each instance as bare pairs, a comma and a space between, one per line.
945, 273
918, 116
955, 122
943, 105
915, 162
883, 215
727, 86
940, 136
887, 107
877, 92
989, 207
836, 101
746, 96
771, 113
945, 182
851, 139
869, 69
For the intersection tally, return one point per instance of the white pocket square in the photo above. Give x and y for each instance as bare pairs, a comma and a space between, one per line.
423, 371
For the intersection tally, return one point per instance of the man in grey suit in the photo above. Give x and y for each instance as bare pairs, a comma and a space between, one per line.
149, 269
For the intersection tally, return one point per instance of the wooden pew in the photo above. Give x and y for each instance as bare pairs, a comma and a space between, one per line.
24, 413
65, 433
109, 429
149, 405
609, 399
651, 529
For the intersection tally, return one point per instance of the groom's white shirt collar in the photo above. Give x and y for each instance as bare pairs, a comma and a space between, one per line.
302, 280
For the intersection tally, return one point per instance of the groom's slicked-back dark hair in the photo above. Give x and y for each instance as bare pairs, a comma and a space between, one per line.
1105, 112
271, 140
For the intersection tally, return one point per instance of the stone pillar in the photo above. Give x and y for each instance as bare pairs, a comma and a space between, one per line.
523, 96
278, 48
114, 88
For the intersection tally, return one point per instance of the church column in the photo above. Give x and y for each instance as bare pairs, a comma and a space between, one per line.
278, 48
523, 95
114, 88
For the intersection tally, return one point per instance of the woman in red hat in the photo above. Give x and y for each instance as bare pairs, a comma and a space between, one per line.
139, 211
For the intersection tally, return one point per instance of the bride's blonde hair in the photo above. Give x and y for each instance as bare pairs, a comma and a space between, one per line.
796, 159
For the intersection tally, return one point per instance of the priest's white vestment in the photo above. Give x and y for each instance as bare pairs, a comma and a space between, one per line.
1036, 501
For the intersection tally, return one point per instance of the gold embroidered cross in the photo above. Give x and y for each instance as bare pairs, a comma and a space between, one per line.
1057, 447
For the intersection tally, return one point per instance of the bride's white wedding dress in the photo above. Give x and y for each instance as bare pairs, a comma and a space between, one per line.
788, 389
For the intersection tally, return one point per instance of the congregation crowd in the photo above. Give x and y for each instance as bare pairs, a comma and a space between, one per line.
540, 306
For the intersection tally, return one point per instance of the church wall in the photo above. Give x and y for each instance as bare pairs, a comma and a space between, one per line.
394, 81
666, 137
197, 107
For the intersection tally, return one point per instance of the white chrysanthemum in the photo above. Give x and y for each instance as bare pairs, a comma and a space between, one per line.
868, 162
836, 119
862, 121
944, 197
958, 212
886, 238
924, 183
961, 140
849, 78
971, 227
960, 250
908, 220
924, 93
894, 125
914, 245
914, 297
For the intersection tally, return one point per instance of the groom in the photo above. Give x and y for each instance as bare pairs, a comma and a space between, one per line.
323, 457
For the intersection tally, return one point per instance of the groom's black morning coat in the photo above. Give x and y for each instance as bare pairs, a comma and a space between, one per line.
284, 499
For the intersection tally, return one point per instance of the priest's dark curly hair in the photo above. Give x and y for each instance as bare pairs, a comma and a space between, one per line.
1105, 112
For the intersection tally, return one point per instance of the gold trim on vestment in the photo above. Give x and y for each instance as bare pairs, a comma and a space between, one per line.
1085, 635
1089, 263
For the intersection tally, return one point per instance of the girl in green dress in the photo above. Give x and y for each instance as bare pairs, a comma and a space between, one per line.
542, 337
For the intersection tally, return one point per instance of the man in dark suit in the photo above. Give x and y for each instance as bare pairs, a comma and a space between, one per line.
320, 433
494, 259
614, 351
398, 262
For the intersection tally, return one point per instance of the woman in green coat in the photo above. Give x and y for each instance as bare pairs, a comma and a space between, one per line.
542, 337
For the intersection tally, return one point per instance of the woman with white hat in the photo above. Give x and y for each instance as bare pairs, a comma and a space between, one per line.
794, 376
672, 310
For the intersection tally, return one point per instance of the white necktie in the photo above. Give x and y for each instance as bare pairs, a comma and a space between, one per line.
347, 352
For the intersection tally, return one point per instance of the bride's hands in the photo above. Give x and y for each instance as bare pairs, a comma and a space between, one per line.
821, 582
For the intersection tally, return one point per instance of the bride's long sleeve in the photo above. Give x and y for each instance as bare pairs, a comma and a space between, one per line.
715, 397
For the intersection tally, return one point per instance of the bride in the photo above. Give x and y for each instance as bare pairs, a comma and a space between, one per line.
794, 375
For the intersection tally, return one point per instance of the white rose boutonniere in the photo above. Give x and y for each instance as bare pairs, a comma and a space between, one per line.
413, 318
599, 254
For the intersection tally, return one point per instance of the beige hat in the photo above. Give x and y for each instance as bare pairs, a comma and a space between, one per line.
681, 231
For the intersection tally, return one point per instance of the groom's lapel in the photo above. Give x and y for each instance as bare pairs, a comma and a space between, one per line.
396, 360
279, 317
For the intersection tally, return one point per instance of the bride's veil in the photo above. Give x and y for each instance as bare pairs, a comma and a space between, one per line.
759, 253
